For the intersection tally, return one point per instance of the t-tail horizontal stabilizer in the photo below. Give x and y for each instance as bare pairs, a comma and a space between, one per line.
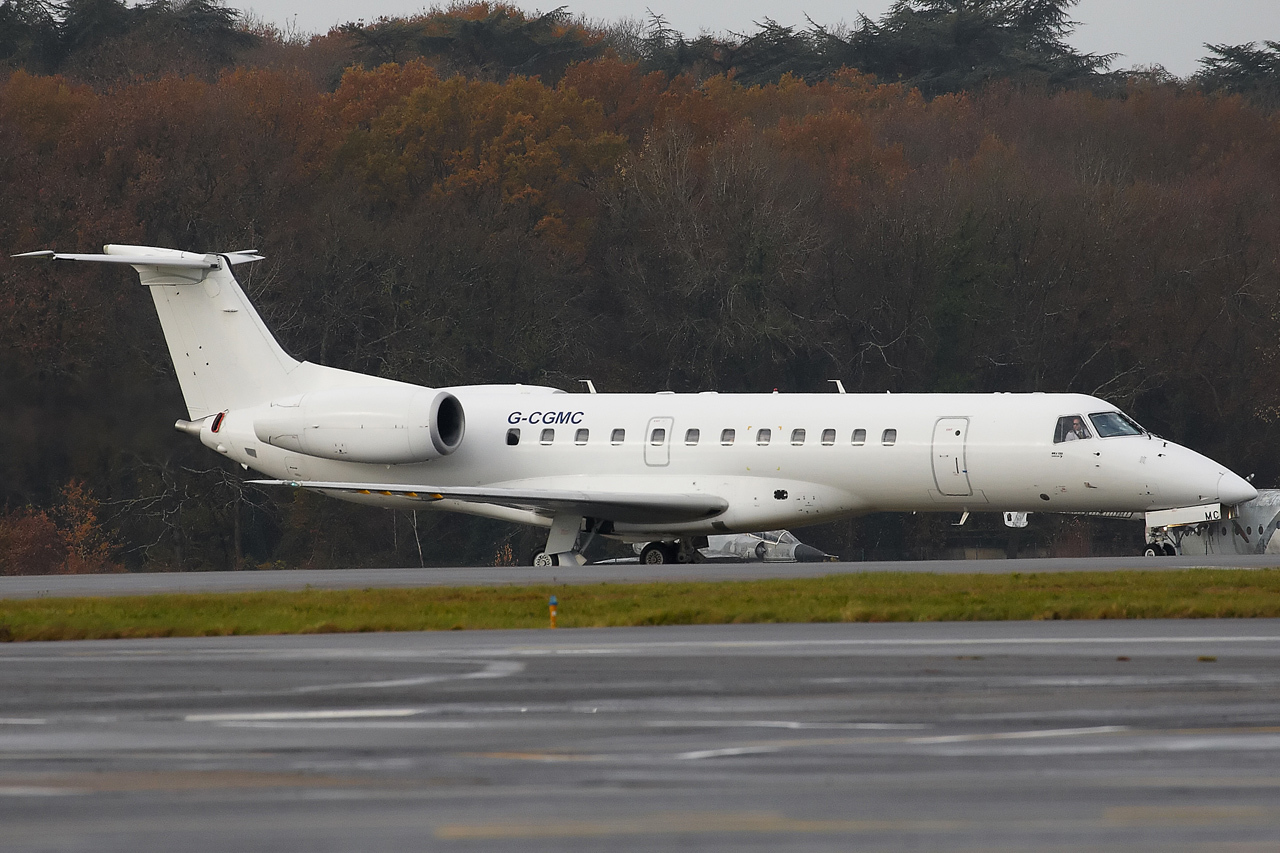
152, 258
223, 354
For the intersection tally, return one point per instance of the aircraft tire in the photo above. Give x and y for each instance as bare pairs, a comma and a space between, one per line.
1169, 550
655, 554
1153, 550
543, 559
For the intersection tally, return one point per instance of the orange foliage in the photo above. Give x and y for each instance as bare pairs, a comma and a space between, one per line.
628, 98
68, 541
87, 548
30, 544
842, 148
43, 107
517, 147
364, 95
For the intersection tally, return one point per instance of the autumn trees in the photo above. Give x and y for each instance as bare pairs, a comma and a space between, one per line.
648, 223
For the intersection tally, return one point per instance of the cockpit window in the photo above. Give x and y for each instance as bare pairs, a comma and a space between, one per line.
1110, 424
1071, 428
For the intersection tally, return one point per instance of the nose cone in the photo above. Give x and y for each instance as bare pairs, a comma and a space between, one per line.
809, 554
1235, 490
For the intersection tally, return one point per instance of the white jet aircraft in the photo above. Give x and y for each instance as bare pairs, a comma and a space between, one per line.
666, 469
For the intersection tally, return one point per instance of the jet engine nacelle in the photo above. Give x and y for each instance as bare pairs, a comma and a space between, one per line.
391, 425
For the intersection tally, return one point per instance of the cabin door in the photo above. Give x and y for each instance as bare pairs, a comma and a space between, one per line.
657, 442
950, 469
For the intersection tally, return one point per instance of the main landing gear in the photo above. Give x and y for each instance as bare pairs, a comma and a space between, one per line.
653, 554
1160, 549
565, 544
680, 551
564, 540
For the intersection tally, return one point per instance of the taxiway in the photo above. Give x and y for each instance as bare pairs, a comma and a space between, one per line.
1138, 735
56, 586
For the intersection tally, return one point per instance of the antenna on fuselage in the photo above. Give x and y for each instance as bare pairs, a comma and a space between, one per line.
839, 386
591, 386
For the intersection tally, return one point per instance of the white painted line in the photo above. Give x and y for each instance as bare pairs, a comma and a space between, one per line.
723, 753
493, 669
780, 724
35, 791
623, 648
1037, 733
1126, 746
971, 641
303, 715
1204, 678
21, 721
928, 740
1148, 680
349, 724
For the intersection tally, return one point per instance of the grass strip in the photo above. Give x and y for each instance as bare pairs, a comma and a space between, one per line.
872, 597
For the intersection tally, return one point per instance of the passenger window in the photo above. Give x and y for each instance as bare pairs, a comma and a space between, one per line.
763, 436
658, 436
691, 436
828, 437
581, 436
619, 436
548, 436
859, 436
1070, 428
797, 436
888, 437
727, 436
513, 437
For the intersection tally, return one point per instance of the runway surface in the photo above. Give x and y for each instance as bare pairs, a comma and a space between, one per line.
1052, 736
39, 586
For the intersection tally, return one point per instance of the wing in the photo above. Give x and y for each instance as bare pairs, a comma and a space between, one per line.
625, 507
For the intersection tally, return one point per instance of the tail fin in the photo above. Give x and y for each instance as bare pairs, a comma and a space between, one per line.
223, 354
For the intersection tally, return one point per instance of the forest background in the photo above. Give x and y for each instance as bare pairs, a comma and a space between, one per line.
948, 198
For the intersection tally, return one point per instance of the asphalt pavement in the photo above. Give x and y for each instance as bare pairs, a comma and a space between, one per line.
1048, 736
38, 586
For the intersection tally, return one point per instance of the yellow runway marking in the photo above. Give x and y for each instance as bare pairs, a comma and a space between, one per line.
1189, 815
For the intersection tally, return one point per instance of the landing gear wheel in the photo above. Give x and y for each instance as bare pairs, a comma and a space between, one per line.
655, 554
544, 560
1169, 550
1153, 550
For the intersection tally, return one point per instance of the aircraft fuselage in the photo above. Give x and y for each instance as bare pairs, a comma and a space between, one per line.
781, 459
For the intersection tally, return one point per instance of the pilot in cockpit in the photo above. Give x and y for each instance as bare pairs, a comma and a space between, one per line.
1071, 428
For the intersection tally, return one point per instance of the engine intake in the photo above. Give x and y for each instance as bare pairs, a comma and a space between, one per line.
384, 425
